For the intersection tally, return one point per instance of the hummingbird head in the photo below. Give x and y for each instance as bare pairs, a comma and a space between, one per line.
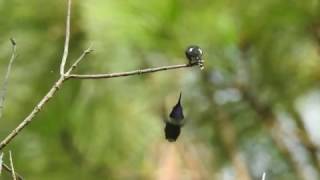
177, 111
194, 54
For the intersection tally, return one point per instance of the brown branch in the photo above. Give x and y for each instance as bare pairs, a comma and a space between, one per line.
264, 110
129, 73
4, 86
304, 137
67, 39
7, 168
269, 121
13, 174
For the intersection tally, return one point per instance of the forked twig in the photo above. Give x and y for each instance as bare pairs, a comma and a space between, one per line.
13, 174
75, 64
7, 168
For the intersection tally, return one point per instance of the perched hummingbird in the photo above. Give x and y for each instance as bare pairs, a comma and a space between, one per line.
194, 54
175, 122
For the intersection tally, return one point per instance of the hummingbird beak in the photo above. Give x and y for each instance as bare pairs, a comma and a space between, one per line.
177, 112
179, 101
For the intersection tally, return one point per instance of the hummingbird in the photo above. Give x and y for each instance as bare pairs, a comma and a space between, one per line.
176, 121
194, 54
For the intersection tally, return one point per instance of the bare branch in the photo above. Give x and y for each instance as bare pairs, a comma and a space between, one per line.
1, 162
34, 112
75, 64
129, 73
66, 43
4, 86
7, 168
12, 168
44, 100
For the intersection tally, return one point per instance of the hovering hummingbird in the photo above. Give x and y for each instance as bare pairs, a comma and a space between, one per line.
175, 122
194, 54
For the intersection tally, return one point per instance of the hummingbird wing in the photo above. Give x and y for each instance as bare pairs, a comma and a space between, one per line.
172, 132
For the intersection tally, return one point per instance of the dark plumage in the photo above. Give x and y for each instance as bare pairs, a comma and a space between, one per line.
176, 115
175, 122
172, 132
194, 54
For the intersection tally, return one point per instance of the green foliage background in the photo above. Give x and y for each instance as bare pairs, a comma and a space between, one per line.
112, 129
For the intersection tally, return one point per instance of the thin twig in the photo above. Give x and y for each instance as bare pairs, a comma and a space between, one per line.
33, 113
7, 168
43, 101
3, 92
4, 86
75, 64
1, 162
12, 168
66, 43
304, 137
128, 73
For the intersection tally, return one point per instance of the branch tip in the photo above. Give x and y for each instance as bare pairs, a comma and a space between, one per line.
67, 39
1, 162
12, 168
88, 51
129, 73
3, 87
13, 41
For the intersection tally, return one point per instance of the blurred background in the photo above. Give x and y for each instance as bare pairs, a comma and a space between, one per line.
254, 108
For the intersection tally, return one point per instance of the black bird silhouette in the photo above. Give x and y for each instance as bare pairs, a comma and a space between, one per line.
194, 54
172, 132
175, 122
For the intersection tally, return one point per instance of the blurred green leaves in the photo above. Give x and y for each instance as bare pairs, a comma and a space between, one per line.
108, 129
